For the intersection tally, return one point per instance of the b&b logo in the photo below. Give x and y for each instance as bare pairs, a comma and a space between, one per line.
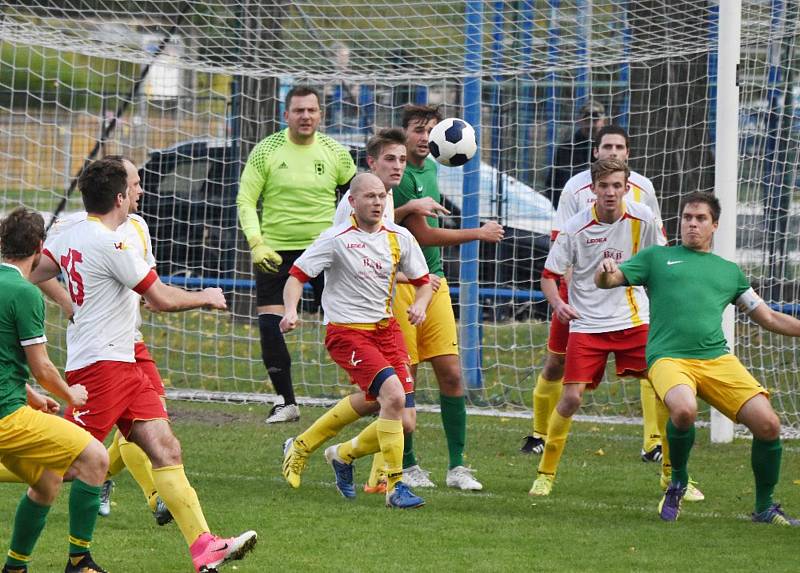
615, 254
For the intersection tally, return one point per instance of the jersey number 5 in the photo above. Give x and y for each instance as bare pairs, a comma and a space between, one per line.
73, 276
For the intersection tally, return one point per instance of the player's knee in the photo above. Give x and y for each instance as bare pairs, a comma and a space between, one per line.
569, 403
91, 465
767, 428
391, 396
683, 416
45, 491
553, 366
449, 378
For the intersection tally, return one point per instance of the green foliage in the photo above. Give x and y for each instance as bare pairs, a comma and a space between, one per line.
601, 515
53, 76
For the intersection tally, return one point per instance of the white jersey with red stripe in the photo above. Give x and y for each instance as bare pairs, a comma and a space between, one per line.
344, 210
578, 195
136, 234
582, 245
103, 276
361, 269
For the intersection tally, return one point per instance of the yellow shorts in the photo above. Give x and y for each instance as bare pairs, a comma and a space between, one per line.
722, 382
32, 441
434, 337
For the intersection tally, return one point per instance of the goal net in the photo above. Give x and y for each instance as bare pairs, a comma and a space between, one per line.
186, 89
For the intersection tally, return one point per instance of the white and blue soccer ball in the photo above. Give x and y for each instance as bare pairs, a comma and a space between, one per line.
452, 142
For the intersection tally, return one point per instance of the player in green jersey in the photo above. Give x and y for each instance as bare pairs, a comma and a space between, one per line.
435, 339
689, 287
294, 173
38, 447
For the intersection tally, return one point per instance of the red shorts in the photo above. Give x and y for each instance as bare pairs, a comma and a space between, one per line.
148, 367
559, 331
587, 354
370, 355
119, 394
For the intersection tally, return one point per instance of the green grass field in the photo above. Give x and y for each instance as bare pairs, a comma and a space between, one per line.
601, 515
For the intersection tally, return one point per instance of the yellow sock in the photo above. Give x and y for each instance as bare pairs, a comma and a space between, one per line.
557, 431
364, 444
141, 469
545, 397
662, 415
652, 434
181, 499
7, 476
390, 436
327, 426
377, 470
115, 463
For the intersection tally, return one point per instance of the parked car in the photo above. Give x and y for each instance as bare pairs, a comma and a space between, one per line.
190, 206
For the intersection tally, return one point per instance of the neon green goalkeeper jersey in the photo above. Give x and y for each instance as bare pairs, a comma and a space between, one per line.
688, 291
297, 188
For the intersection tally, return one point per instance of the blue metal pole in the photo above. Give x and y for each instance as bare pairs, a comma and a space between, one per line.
366, 107
551, 105
421, 94
468, 277
526, 101
581, 53
770, 182
496, 63
625, 70
713, 38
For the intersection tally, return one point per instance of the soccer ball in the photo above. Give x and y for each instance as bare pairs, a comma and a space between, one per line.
452, 142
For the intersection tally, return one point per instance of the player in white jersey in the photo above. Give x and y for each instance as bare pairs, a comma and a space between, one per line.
599, 324
361, 260
121, 453
105, 278
611, 143
386, 157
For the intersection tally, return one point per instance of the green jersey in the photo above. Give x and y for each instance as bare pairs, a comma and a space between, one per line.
688, 291
21, 324
297, 187
421, 182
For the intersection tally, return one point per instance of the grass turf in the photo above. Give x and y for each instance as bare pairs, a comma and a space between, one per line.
601, 515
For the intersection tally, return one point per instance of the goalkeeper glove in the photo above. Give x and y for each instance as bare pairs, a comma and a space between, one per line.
266, 259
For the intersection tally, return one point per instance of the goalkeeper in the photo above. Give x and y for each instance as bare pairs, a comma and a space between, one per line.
295, 173
687, 355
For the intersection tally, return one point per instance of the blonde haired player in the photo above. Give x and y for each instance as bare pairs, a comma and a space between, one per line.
599, 324
611, 142
361, 259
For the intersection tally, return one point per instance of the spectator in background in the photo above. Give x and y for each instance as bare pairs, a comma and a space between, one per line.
574, 154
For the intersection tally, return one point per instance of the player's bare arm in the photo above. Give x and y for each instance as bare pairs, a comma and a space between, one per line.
41, 402
427, 236
48, 377
55, 292
165, 298
291, 298
608, 275
561, 310
424, 206
774, 321
46, 269
416, 312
